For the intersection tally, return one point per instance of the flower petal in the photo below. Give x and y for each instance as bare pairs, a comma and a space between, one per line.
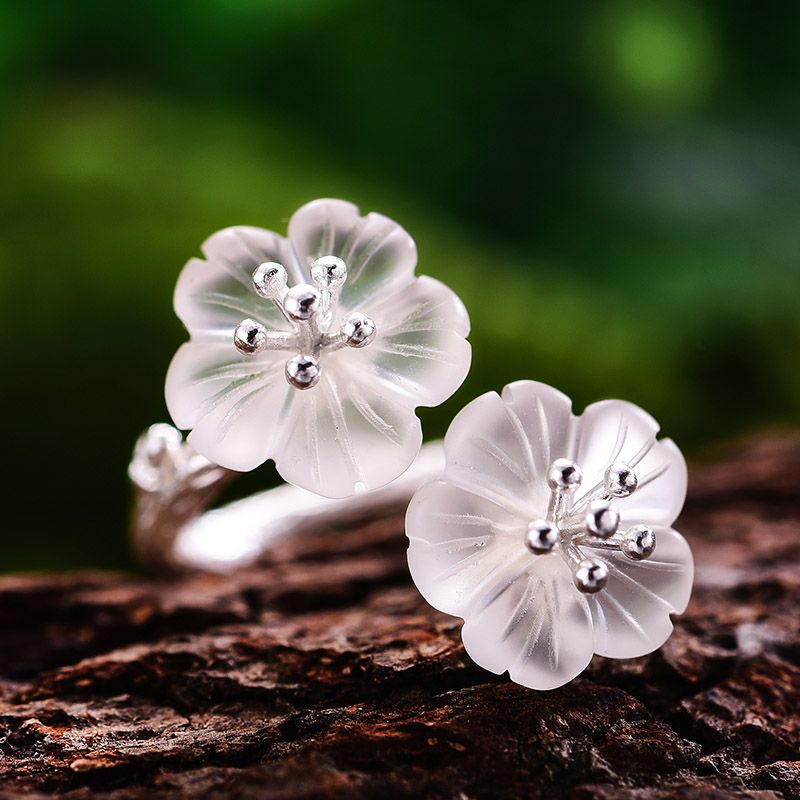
241, 248
380, 255
661, 493
212, 297
344, 436
533, 624
457, 540
502, 447
420, 351
631, 614
233, 403
614, 430
211, 302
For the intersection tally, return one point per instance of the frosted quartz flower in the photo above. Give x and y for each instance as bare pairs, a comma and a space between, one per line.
314, 350
551, 535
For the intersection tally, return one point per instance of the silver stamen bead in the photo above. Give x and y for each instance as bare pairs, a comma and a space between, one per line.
358, 329
303, 371
328, 272
269, 279
541, 536
591, 575
301, 301
564, 475
250, 337
620, 480
639, 542
602, 519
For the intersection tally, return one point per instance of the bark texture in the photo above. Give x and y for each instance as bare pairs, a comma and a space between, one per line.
323, 674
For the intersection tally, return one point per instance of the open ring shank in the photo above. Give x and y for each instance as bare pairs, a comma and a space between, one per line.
173, 530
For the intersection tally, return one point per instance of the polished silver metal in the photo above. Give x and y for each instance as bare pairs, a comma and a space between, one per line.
358, 330
329, 272
302, 301
564, 475
602, 519
591, 575
174, 486
310, 311
542, 536
303, 371
639, 542
250, 337
620, 480
591, 520
269, 280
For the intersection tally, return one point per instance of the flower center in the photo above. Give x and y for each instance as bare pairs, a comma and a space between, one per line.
590, 522
310, 310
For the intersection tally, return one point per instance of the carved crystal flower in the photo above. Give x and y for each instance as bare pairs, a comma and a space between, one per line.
314, 350
551, 534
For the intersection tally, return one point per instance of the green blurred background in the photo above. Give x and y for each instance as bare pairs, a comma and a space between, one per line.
613, 188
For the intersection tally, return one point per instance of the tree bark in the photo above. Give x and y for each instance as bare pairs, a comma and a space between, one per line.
322, 673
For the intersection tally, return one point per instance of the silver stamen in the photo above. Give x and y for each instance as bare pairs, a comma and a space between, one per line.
564, 475
639, 542
303, 371
541, 537
591, 575
301, 301
250, 337
329, 272
310, 311
269, 280
358, 330
602, 519
620, 480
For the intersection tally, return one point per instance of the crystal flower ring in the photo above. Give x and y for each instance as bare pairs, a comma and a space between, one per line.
314, 350
551, 535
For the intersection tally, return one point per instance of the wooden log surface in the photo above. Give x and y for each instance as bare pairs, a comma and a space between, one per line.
322, 674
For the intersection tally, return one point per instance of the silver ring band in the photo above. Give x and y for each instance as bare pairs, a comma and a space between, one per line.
172, 530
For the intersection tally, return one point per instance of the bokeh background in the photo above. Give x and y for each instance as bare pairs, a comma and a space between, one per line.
613, 188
